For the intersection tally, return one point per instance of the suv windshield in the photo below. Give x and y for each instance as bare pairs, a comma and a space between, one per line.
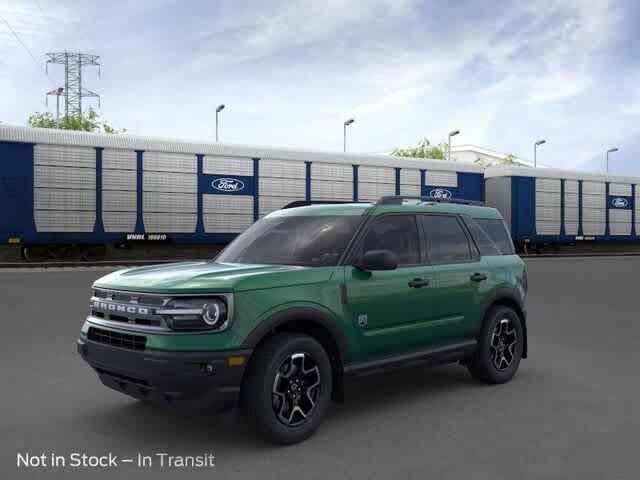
312, 241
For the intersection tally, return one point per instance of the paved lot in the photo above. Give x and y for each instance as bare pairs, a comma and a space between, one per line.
571, 412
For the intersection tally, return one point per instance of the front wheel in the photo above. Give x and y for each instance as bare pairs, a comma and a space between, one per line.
499, 346
288, 388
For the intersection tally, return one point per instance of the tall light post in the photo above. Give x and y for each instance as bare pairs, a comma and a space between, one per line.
344, 136
451, 134
59, 91
218, 110
535, 152
611, 150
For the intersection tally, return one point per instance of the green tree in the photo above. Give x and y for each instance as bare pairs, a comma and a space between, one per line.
510, 159
424, 149
89, 123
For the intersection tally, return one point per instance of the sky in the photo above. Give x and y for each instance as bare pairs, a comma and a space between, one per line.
504, 73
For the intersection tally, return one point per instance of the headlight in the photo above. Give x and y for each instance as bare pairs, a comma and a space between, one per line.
203, 313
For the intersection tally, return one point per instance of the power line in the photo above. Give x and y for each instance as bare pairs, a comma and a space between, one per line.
24, 45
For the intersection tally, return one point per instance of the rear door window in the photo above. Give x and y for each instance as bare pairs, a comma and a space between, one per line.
396, 233
447, 241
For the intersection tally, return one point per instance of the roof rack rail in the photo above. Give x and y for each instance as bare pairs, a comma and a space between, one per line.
307, 203
398, 199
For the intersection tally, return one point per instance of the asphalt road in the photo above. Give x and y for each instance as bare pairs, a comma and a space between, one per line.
571, 411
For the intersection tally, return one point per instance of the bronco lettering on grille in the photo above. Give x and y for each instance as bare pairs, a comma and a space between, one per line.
119, 308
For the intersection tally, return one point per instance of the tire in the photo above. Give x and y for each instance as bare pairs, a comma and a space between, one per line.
280, 401
495, 360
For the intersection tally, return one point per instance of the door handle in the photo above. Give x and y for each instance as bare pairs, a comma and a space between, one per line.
478, 277
418, 283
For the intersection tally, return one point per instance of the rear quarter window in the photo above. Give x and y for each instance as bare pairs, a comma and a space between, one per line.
491, 236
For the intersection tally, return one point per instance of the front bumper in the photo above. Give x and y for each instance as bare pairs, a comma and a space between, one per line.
189, 379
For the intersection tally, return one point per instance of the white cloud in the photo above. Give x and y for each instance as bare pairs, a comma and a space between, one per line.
31, 23
394, 100
251, 35
552, 60
557, 85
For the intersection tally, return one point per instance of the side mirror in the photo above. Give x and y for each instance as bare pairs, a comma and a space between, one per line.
377, 260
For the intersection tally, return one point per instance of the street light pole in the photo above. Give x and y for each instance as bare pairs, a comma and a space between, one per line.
59, 91
535, 152
218, 110
451, 134
344, 133
611, 150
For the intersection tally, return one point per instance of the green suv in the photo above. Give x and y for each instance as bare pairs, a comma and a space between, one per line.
308, 296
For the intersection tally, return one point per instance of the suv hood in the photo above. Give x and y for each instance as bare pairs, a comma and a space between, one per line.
203, 277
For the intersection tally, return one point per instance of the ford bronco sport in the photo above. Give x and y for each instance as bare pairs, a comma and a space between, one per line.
308, 296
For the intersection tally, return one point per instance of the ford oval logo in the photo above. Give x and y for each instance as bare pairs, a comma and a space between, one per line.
620, 202
440, 194
228, 184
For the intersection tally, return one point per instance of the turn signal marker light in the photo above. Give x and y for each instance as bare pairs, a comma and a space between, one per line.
235, 361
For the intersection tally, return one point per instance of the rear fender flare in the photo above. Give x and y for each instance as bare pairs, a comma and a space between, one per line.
506, 296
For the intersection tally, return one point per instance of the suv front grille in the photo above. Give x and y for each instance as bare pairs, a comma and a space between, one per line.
117, 339
128, 308
127, 297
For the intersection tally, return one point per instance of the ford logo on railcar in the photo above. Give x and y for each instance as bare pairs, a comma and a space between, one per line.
228, 184
620, 202
440, 193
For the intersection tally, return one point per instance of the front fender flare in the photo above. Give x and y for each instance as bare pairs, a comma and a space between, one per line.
290, 314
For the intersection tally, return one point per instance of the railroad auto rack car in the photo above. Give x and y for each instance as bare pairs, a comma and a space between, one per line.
549, 206
69, 188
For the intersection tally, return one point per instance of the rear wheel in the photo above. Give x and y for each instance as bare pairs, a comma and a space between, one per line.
499, 346
288, 388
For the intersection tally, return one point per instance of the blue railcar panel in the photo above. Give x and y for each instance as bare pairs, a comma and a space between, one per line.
562, 187
307, 188
16, 190
256, 189
139, 200
355, 183
606, 221
580, 229
633, 209
99, 226
199, 204
471, 186
523, 208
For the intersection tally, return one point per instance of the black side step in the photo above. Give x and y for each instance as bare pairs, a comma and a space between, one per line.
449, 353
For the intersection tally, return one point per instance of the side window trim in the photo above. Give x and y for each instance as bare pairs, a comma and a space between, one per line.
474, 250
359, 244
472, 257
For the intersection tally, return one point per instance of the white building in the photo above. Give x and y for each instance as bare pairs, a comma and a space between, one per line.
471, 153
